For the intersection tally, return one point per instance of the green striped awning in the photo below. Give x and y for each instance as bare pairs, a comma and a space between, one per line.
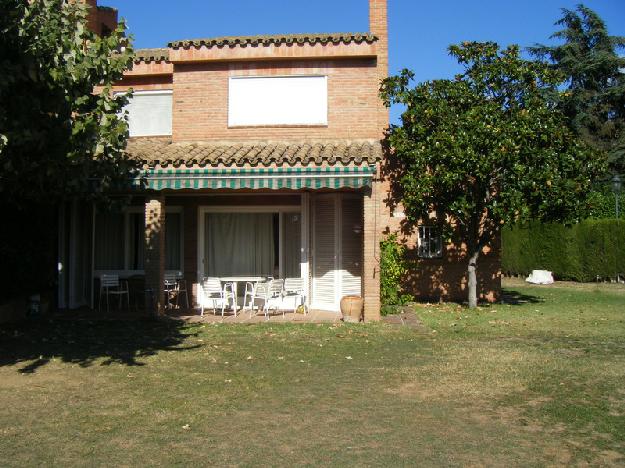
258, 178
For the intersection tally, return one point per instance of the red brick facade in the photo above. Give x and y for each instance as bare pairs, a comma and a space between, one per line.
198, 75
101, 20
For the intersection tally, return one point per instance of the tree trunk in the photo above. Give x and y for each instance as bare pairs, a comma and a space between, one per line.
472, 273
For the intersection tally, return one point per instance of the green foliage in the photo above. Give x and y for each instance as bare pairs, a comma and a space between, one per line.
582, 252
58, 133
595, 97
603, 203
59, 128
487, 148
393, 269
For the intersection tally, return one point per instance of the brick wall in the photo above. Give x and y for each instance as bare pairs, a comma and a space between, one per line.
201, 100
144, 83
440, 278
100, 20
375, 212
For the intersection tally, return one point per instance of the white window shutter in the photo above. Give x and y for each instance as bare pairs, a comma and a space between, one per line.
324, 259
278, 100
150, 113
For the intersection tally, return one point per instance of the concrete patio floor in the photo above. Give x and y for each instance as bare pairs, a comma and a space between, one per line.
244, 316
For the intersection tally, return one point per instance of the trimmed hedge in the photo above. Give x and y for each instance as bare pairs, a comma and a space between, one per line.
582, 252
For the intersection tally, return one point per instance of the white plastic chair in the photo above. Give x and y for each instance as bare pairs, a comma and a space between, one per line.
110, 285
175, 285
294, 288
270, 294
218, 295
250, 293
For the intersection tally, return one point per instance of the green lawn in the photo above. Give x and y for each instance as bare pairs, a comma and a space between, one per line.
538, 382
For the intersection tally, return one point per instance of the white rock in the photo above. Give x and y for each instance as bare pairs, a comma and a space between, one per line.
540, 277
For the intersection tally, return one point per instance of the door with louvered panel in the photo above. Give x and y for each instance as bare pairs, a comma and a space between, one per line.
324, 274
337, 249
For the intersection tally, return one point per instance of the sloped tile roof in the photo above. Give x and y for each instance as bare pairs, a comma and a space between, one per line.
163, 152
266, 40
151, 55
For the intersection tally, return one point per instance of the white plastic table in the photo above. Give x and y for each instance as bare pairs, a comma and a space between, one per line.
235, 280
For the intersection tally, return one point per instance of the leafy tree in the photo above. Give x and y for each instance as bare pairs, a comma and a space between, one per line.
485, 149
56, 132
57, 136
595, 80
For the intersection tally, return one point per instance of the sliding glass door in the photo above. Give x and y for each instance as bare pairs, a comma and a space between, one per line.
250, 242
240, 244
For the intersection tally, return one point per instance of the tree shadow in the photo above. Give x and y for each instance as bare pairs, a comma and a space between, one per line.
511, 297
87, 342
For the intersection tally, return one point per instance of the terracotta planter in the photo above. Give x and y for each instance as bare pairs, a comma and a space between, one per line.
351, 308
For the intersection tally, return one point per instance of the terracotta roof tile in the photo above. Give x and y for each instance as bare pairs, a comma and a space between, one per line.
266, 40
163, 152
151, 55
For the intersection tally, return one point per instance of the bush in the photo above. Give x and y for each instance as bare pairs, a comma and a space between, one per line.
393, 269
582, 252
603, 204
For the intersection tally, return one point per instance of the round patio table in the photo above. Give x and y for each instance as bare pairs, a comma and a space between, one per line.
235, 280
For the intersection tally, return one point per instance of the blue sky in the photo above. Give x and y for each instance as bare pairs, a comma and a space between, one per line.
420, 30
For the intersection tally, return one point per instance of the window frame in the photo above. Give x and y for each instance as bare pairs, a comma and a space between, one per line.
432, 230
126, 271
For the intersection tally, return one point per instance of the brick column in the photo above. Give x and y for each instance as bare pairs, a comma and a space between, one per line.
373, 200
155, 254
378, 25
371, 253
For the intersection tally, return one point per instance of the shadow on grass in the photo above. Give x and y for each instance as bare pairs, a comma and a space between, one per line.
511, 297
84, 342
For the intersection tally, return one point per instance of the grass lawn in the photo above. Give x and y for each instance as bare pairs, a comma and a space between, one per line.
540, 381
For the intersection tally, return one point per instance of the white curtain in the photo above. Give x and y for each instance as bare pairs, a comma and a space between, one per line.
239, 244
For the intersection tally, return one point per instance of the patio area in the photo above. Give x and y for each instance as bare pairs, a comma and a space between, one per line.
244, 317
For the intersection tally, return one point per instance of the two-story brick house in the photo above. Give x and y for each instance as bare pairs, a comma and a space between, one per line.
262, 156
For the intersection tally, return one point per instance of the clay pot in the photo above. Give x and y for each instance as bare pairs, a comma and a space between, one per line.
351, 308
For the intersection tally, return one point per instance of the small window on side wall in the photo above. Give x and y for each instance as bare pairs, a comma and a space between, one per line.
430, 242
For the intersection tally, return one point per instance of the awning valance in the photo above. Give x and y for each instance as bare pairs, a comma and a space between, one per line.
259, 178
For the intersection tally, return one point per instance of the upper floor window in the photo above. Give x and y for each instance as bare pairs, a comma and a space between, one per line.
281, 100
149, 113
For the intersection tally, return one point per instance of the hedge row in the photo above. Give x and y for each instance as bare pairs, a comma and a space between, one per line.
582, 252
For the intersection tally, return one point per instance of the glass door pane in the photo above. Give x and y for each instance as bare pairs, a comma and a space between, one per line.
291, 244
